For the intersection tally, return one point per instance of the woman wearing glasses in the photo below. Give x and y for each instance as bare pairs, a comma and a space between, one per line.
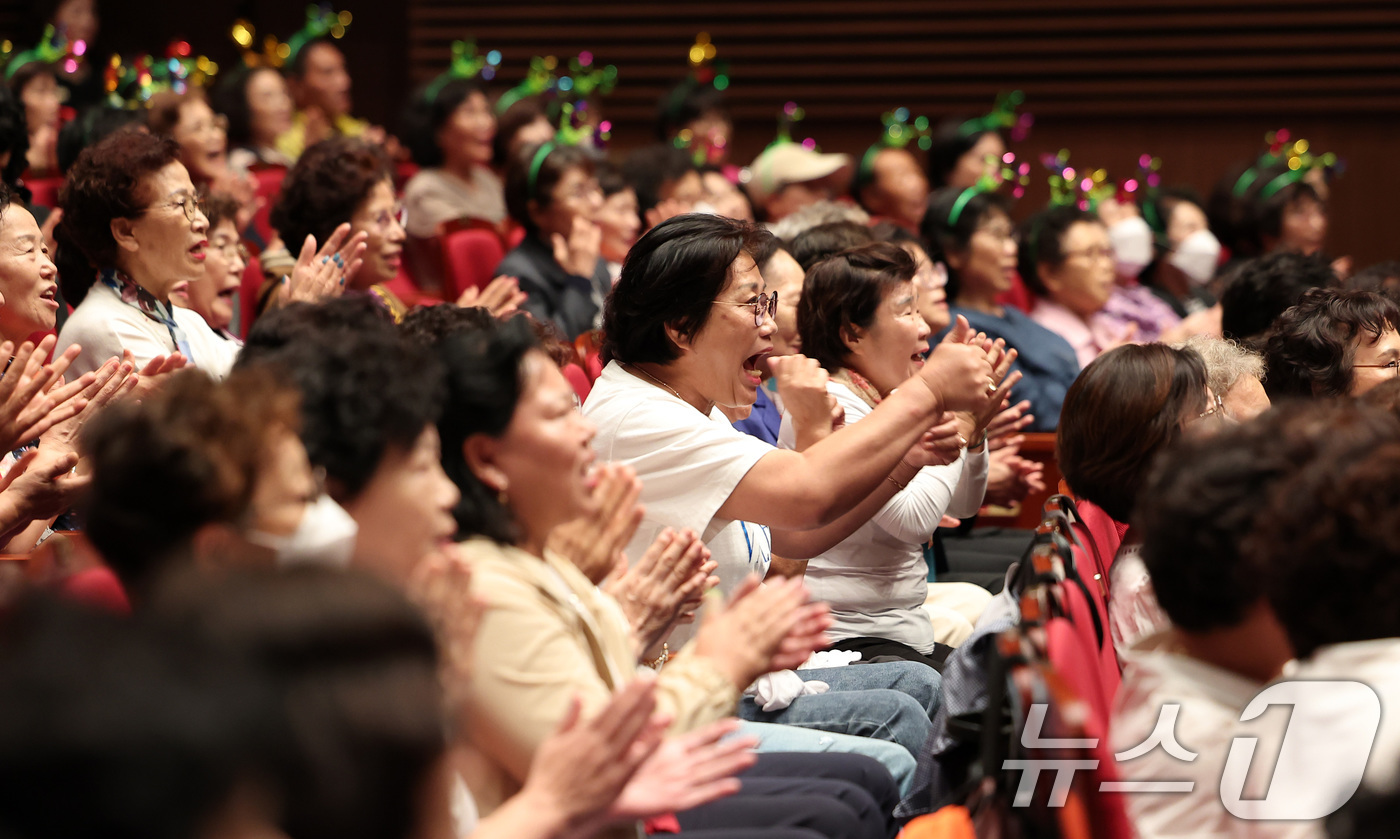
552, 192
1068, 264
212, 295
203, 138
970, 231
1333, 343
687, 330
132, 234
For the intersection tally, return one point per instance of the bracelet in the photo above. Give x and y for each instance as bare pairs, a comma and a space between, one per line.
891, 479
659, 661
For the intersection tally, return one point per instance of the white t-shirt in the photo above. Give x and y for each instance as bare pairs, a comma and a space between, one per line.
876, 579
689, 465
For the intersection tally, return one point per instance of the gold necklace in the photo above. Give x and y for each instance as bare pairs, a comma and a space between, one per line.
654, 380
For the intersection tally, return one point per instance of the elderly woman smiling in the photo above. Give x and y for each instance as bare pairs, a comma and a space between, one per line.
132, 234
689, 327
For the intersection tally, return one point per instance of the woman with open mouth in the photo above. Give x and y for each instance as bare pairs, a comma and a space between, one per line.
132, 233
213, 295
860, 318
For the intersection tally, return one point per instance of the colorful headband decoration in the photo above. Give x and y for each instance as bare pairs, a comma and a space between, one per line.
575, 129
274, 52
791, 115
898, 133
585, 79
128, 85
996, 174
1072, 188
51, 50
1142, 188
1002, 116
709, 149
704, 71
320, 22
180, 70
1283, 149
538, 79
466, 64
131, 85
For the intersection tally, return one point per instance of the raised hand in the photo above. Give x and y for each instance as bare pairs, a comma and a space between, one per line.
113, 380
960, 376
594, 542
29, 404
156, 372
1005, 378
319, 274
801, 383
1005, 427
42, 485
763, 628
1010, 477
578, 254
674, 573
939, 446
502, 297
687, 771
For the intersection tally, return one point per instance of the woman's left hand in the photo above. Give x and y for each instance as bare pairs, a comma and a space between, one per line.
324, 273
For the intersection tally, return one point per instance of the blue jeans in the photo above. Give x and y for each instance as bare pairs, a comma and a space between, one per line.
861, 706
918, 680
790, 738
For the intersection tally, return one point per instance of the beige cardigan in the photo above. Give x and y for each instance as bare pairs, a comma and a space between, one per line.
549, 634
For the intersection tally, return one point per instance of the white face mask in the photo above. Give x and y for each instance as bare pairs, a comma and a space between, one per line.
1131, 240
1197, 256
324, 536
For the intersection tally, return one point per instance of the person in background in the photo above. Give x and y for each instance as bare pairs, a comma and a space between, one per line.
1333, 343
619, 218
551, 191
449, 129
788, 176
203, 138
720, 195
1186, 259
35, 85
523, 123
258, 108
1236, 373
960, 150
890, 184
817, 243
213, 295
665, 181
320, 88
1259, 290
1067, 262
971, 233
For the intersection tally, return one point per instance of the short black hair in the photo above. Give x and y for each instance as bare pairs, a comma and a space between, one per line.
610, 179
1330, 535
817, 243
671, 277
362, 393
121, 728
1043, 242
1382, 277
842, 293
429, 326
1259, 290
521, 187
1310, 350
484, 385
230, 98
91, 126
424, 116
683, 104
650, 169
14, 139
949, 144
1200, 504
944, 237
349, 314
1243, 216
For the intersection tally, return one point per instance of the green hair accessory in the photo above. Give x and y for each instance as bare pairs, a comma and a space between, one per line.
50, 50
466, 64
320, 22
538, 79
1069, 187
898, 133
533, 175
1002, 116
1296, 154
996, 174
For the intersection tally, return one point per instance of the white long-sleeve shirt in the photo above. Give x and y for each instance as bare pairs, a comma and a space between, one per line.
876, 579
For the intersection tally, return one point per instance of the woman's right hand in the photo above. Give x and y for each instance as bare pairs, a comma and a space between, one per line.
960, 376
578, 254
801, 383
501, 297
323, 273
763, 628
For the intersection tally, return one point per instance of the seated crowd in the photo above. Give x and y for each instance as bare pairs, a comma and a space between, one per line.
478, 482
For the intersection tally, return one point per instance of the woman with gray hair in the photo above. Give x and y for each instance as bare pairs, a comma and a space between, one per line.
1234, 373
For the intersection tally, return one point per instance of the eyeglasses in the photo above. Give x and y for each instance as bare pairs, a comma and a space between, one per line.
189, 204
998, 232
764, 304
232, 249
1393, 366
1215, 409
399, 214
1093, 253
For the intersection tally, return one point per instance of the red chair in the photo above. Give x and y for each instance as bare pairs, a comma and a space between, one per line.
269, 180
45, 190
469, 256
248, 295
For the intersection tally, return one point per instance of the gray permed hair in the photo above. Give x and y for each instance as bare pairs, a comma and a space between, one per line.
822, 212
1226, 361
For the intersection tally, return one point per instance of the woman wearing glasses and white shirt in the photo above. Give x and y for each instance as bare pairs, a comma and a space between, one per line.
687, 328
132, 233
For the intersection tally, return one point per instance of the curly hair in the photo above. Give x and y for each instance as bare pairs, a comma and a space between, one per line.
842, 293
1313, 344
1200, 503
1336, 522
349, 315
1125, 407
326, 186
671, 278
1261, 289
1043, 242
944, 238
423, 118
362, 391
104, 184
185, 457
484, 385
